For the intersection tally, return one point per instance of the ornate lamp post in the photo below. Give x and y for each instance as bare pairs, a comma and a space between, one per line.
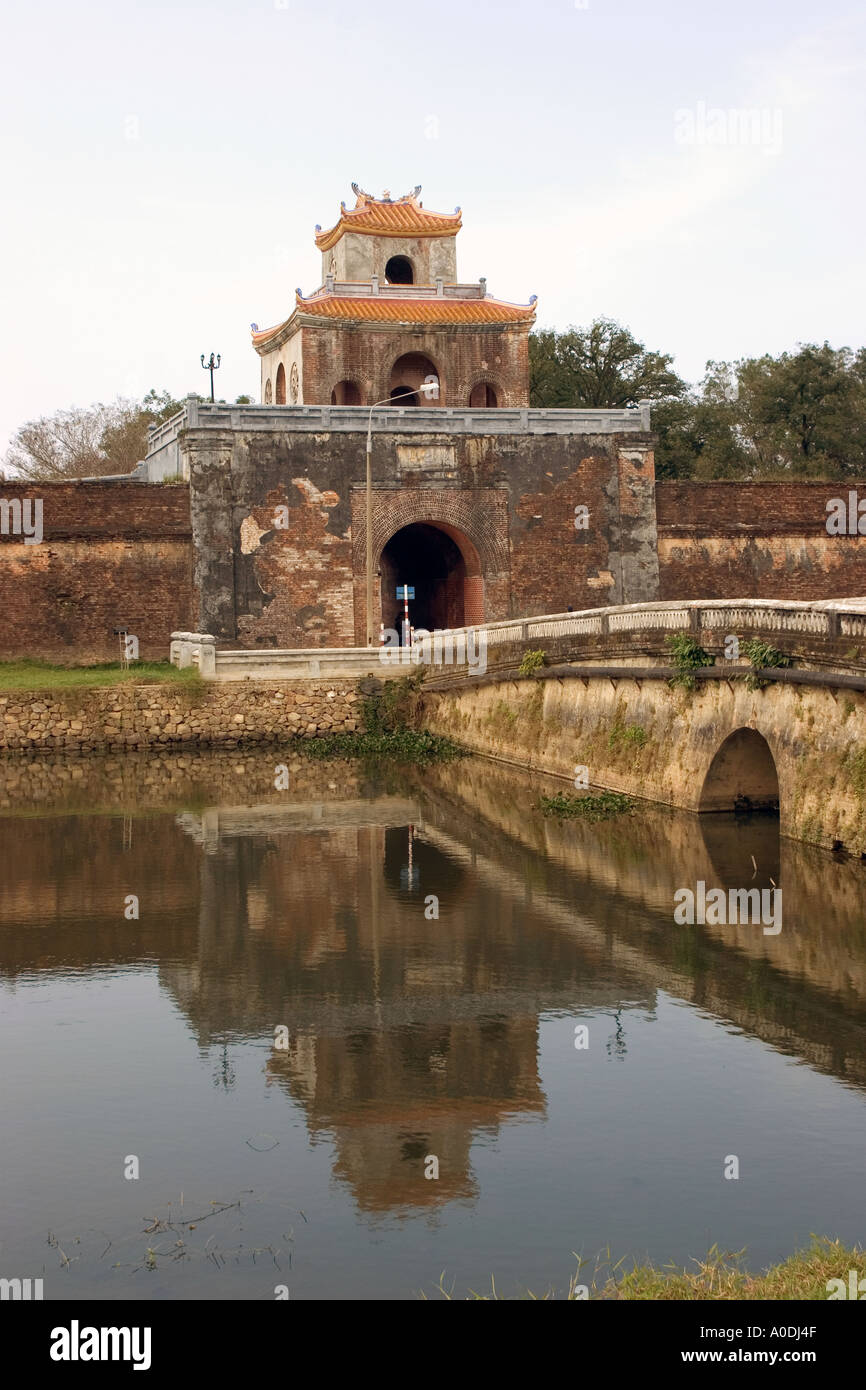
430, 390
211, 367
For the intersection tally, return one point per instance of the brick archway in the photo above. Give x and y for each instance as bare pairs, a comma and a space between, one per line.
475, 521
444, 569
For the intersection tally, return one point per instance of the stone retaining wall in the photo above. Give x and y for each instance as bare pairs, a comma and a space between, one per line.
112, 718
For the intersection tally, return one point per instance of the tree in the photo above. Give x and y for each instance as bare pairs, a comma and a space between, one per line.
603, 365
65, 445
798, 415
699, 434
124, 442
804, 413
87, 442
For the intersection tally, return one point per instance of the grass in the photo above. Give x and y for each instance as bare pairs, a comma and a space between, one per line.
42, 675
593, 807
720, 1277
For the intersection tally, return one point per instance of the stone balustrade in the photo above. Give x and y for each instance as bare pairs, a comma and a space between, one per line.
826, 629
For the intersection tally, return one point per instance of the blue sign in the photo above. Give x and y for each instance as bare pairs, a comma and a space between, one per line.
410, 591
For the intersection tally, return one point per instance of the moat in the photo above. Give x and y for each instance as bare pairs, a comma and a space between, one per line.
284, 1004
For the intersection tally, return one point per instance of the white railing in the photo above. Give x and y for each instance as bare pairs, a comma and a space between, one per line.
828, 618
668, 618
801, 619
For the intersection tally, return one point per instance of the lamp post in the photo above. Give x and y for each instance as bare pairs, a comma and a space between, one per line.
211, 367
430, 390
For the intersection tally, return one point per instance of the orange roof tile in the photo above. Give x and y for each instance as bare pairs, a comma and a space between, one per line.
386, 309
261, 335
382, 217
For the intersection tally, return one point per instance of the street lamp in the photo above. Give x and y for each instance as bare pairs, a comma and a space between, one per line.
430, 390
211, 367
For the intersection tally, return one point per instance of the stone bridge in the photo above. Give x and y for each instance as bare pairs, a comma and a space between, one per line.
604, 702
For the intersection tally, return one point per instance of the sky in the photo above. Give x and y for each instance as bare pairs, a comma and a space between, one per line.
164, 167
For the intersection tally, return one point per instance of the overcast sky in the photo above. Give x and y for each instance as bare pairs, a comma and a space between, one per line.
165, 165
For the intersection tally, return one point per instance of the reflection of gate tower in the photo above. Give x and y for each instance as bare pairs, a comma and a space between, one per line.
390, 312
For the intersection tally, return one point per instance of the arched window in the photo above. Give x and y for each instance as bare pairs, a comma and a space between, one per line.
483, 396
408, 373
399, 271
346, 393
269, 395
281, 385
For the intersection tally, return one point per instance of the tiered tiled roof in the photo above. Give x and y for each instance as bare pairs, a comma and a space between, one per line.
397, 217
407, 309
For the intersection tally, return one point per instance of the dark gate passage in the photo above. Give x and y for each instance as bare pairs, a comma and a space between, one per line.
428, 559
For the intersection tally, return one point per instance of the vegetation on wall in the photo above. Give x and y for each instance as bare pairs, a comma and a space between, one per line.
390, 716
687, 656
532, 662
763, 656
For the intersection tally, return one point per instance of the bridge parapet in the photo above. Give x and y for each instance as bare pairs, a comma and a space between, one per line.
826, 634
822, 633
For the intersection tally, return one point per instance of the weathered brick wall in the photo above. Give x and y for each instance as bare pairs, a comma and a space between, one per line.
755, 540
296, 577
462, 357
111, 555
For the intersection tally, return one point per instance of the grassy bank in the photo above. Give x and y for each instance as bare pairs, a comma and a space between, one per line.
720, 1277
42, 675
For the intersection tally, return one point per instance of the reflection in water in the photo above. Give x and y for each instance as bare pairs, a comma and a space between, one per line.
291, 935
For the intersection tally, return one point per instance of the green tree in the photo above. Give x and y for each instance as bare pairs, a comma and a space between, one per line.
804, 413
602, 365
801, 414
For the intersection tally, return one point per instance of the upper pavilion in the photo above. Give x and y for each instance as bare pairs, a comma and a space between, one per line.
390, 312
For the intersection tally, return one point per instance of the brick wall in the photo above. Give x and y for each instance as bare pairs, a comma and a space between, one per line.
121, 554
755, 540
366, 356
279, 525
111, 555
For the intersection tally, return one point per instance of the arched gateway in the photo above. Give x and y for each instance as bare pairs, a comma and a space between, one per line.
443, 568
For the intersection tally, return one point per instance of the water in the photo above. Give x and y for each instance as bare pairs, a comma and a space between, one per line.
409, 1037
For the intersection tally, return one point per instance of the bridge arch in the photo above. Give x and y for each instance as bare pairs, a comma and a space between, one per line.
742, 775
